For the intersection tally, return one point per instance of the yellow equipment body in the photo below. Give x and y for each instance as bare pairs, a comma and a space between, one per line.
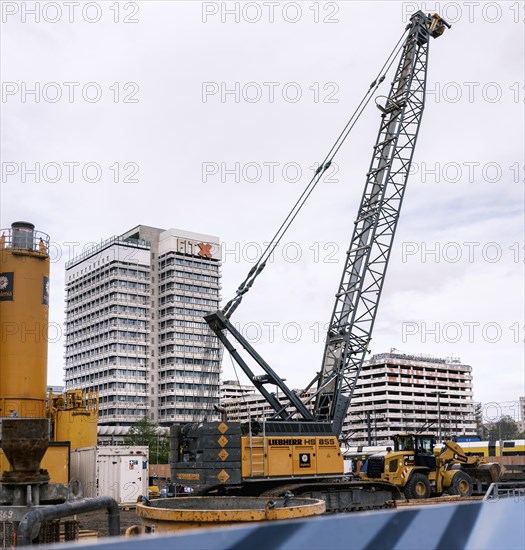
232, 453
55, 461
291, 456
24, 299
175, 514
74, 417
414, 468
24, 321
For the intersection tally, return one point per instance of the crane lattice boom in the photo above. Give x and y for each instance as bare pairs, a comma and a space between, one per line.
357, 299
361, 284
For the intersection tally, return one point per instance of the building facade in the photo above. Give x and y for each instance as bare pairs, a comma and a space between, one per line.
233, 390
394, 393
521, 423
135, 330
409, 393
243, 402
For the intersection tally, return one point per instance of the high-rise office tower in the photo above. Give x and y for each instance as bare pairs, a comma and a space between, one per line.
135, 330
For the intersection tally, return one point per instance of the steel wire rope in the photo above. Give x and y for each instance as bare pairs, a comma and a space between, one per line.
240, 388
255, 271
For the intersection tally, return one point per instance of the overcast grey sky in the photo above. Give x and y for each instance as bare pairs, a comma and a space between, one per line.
210, 116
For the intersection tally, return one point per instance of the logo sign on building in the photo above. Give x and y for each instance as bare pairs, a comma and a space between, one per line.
200, 249
204, 250
7, 283
45, 291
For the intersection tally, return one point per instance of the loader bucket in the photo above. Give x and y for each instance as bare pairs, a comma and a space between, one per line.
485, 473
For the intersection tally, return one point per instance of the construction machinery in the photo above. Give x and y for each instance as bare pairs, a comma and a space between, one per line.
24, 312
414, 468
297, 448
37, 427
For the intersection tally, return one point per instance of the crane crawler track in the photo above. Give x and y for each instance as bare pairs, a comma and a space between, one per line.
342, 496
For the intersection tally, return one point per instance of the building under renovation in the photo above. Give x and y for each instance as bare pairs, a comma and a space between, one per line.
407, 393
395, 393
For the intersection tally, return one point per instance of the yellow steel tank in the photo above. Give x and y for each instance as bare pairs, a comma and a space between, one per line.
174, 514
75, 415
24, 305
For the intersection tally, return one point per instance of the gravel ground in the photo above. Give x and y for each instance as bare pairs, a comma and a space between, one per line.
98, 521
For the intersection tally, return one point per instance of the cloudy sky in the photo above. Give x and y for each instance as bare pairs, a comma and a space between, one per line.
210, 116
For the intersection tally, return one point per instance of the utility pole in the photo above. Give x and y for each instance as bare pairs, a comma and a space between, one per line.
439, 417
368, 428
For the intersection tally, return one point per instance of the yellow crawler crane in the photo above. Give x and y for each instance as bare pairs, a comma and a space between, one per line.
414, 468
296, 448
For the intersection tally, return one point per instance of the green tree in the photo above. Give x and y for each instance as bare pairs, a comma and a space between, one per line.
145, 432
504, 428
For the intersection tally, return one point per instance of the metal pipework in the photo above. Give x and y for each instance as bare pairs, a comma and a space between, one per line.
33, 518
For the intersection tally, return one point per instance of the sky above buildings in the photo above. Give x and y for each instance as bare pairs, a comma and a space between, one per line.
211, 117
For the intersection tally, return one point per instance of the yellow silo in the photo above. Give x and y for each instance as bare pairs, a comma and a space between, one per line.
24, 306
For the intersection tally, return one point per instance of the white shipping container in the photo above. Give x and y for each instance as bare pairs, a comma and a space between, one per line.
120, 472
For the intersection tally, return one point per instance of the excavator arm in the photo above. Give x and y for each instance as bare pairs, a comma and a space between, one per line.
452, 452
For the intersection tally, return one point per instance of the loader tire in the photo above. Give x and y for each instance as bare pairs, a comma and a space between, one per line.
417, 486
461, 485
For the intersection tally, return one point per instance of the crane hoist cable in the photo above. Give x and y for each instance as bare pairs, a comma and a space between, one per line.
255, 271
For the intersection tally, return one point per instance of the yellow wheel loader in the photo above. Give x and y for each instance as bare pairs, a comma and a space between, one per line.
418, 472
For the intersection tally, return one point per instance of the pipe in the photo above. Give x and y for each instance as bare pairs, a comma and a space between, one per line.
57, 511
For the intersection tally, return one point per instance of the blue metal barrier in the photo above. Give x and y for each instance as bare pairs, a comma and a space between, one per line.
471, 525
